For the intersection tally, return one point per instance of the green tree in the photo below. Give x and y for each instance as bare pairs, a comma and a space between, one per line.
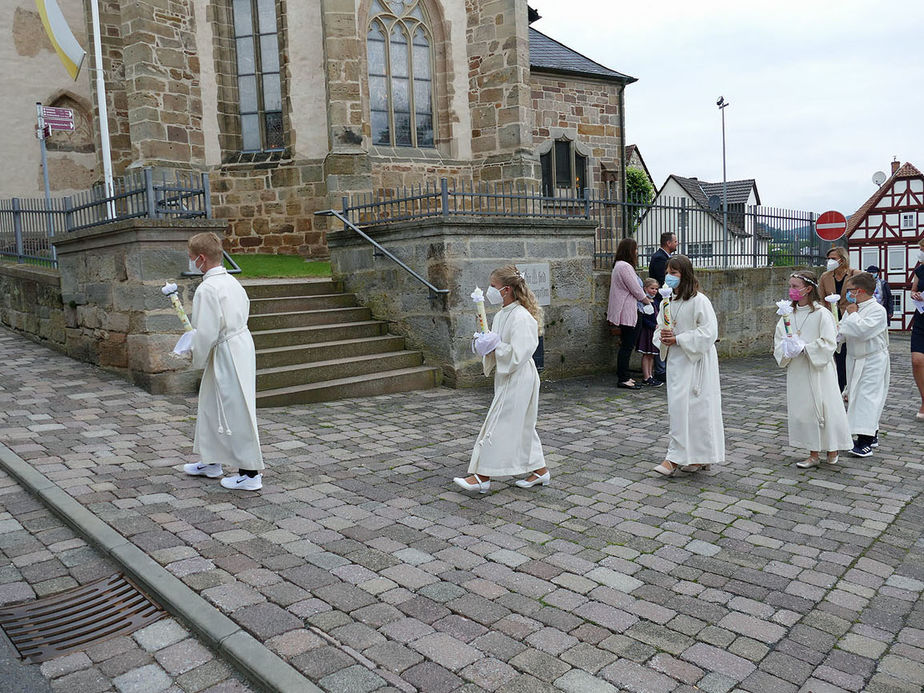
639, 194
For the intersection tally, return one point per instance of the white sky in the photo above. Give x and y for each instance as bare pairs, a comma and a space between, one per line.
823, 93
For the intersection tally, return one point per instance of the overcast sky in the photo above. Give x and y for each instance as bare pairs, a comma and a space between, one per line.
823, 93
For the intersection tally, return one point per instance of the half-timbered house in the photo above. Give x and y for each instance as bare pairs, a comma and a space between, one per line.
885, 232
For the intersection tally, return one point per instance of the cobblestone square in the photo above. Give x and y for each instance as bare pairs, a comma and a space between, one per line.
362, 566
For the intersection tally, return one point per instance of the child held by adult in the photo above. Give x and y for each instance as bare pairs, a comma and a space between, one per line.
508, 444
817, 419
647, 323
686, 335
226, 422
866, 331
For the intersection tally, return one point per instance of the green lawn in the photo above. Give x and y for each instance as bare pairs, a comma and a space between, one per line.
280, 266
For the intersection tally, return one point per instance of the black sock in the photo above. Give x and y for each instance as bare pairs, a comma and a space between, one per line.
248, 472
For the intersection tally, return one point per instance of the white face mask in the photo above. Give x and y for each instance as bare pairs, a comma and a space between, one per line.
193, 268
494, 296
833, 265
921, 256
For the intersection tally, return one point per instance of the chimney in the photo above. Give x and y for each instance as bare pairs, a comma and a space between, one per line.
895, 165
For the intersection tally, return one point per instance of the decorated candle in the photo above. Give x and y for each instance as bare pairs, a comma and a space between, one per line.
833, 299
169, 290
481, 315
784, 308
665, 304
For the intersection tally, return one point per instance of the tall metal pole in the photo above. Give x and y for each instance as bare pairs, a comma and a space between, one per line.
41, 132
722, 103
101, 105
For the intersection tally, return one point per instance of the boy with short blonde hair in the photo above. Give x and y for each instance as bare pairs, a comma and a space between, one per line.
865, 329
226, 423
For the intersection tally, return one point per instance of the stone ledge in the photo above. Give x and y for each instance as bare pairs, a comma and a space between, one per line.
40, 275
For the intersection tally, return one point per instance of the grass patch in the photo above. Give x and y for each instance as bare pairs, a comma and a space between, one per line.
260, 265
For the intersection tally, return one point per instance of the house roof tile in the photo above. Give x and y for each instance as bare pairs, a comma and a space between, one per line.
548, 55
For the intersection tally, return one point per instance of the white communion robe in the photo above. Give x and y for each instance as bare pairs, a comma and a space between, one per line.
508, 444
694, 399
868, 367
226, 424
817, 418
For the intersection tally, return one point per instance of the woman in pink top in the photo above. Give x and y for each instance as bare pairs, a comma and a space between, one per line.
625, 295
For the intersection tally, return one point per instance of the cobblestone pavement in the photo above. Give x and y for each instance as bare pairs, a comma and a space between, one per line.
40, 556
362, 566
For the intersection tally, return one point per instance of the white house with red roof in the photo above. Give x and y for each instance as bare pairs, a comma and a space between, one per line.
885, 232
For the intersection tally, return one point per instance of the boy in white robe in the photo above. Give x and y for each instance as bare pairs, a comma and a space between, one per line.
226, 422
817, 419
694, 398
865, 329
508, 444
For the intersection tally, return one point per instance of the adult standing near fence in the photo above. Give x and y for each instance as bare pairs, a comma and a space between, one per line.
622, 312
883, 293
832, 282
657, 267
917, 329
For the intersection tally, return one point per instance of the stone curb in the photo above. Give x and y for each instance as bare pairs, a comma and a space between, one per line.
237, 646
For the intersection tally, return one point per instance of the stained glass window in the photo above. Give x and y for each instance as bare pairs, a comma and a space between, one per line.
399, 58
258, 80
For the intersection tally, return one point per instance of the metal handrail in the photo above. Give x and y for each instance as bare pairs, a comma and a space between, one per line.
347, 223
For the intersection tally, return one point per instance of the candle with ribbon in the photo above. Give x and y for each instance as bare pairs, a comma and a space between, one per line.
784, 308
480, 314
666, 293
833, 299
185, 342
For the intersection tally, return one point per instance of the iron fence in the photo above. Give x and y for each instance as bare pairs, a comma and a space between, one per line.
756, 236
27, 225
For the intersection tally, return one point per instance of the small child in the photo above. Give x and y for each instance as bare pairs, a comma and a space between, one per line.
226, 422
817, 420
508, 443
647, 324
866, 331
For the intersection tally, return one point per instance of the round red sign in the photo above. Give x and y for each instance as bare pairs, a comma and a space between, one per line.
831, 226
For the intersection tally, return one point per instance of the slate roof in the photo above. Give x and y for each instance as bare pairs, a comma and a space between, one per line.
738, 190
548, 55
700, 191
905, 171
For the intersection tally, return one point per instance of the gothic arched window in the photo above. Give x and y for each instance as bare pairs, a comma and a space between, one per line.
258, 80
400, 83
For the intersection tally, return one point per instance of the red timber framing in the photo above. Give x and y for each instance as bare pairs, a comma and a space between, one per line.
885, 232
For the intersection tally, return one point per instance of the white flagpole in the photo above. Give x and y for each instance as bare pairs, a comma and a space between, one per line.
101, 104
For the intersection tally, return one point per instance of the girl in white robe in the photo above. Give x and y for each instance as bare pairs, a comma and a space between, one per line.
226, 421
694, 399
508, 444
815, 408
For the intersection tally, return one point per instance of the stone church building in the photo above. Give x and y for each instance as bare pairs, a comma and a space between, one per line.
292, 105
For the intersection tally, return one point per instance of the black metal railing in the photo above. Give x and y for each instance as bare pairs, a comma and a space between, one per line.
27, 225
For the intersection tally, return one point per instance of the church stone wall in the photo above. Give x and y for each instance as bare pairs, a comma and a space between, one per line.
30, 303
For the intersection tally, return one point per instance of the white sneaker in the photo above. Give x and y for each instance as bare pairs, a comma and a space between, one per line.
243, 483
212, 471
479, 485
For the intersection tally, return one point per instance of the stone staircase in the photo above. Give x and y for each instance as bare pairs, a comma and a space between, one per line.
315, 344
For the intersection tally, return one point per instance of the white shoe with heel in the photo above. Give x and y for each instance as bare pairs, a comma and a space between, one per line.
536, 479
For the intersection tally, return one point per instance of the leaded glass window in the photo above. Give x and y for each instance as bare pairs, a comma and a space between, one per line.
564, 170
398, 48
258, 80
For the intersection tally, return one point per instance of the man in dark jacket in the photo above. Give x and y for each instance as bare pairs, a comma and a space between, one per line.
657, 268
883, 291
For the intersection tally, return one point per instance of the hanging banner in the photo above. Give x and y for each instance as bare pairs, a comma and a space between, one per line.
61, 36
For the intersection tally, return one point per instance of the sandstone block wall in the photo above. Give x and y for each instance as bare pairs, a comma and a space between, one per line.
30, 303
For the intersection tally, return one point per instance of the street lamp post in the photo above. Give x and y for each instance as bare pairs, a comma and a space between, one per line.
722, 103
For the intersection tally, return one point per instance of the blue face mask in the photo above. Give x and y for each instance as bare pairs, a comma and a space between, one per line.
672, 281
851, 297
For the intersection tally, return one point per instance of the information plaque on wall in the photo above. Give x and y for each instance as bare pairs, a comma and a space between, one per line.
538, 277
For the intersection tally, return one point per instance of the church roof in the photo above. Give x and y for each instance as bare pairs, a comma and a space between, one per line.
548, 55
906, 171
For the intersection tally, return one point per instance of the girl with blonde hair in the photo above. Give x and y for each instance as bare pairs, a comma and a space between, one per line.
508, 444
817, 419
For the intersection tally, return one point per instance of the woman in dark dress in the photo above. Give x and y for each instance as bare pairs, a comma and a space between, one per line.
917, 331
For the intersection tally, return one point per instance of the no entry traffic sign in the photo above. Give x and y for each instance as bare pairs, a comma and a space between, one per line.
831, 226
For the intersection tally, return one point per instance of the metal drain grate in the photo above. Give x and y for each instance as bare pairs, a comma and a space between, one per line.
67, 621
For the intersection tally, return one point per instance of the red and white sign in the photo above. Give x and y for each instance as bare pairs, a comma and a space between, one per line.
831, 226
57, 118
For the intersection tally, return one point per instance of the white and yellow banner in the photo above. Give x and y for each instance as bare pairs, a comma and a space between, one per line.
62, 38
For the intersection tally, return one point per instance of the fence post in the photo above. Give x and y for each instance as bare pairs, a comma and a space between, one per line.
755, 237
444, 197
17, 228
149, 199
68, 213
816, 241
206, 196
587, 203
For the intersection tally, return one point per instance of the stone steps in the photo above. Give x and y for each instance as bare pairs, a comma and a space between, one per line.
314, 344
